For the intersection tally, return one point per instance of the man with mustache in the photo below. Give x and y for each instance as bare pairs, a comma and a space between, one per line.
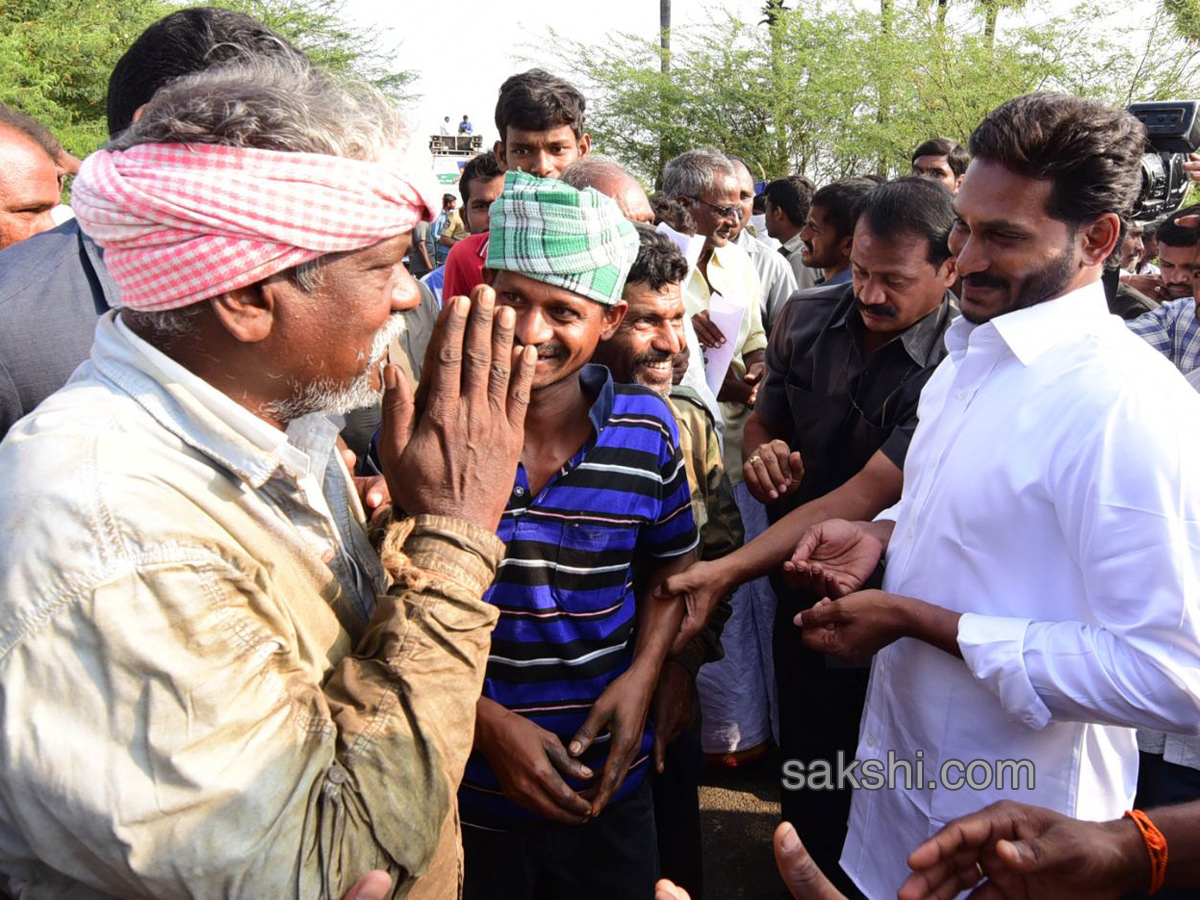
830, 432
228, 692
555, 799
1042, 589
1174, 328
644, 350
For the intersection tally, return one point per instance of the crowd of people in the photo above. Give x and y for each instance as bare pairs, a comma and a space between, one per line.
358, 542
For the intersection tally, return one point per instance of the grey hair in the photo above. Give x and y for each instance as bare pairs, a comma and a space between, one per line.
270, 103
267, 103
586, 170
695, 172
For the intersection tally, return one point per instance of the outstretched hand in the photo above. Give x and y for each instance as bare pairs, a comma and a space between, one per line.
1021, 851
833, 559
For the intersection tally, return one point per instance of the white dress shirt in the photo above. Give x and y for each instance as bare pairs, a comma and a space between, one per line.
1051, 496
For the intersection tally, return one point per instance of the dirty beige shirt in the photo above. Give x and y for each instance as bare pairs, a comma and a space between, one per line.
206, 689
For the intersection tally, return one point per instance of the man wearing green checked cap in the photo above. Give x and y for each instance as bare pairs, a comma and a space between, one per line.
555, 800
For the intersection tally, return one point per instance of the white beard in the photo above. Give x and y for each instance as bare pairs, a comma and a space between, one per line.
324, 395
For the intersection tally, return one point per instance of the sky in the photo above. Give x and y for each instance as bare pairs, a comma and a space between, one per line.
463, 54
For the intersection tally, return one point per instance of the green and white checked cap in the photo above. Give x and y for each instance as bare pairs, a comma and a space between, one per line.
573, 239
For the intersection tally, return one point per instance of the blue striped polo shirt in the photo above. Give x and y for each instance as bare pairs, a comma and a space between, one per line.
565, 588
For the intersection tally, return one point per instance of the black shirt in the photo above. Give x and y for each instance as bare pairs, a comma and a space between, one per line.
831, 403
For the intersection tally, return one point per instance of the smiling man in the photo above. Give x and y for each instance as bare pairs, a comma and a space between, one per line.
555, 800
1042, 590
225, 694
643, 350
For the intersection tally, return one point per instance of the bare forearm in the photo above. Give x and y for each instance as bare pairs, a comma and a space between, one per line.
935, 625
1180, 825
852, 501
658, 619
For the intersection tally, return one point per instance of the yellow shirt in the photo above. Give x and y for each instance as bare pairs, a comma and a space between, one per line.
731, 274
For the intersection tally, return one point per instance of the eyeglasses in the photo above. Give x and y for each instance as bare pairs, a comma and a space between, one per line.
725, 212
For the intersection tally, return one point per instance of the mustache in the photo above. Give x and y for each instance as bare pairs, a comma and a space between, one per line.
653, 356
984, 280
882, 311
549, 349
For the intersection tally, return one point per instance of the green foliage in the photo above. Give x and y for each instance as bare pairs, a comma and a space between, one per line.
834, 92
56, 55
1186, 17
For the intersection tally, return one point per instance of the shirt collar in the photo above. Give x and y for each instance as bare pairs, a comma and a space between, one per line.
791, 246
1032, 331
596, 379
205, 418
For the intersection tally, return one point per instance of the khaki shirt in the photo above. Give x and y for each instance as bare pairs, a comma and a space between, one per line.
713, 507
209, 688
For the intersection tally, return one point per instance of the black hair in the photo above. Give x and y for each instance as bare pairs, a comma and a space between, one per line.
32, 129
483, 167
760, 204
956, 157
874, 178
447, 199
913, 206
843, 201
675, 214
659, 262
538, 101
793, 195
187, 41
1171, 233
1089, 150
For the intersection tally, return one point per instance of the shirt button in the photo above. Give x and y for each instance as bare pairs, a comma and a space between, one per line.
909, 534
871, 742
962, 395
518, 492
327, 557
337, 775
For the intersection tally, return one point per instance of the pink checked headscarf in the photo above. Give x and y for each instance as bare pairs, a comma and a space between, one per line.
180, 223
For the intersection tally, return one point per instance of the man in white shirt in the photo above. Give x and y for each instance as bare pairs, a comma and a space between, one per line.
1049, 521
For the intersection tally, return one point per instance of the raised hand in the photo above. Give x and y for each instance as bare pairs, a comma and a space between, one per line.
459, 457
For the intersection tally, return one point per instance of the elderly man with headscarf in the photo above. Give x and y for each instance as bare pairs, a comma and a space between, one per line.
212, 686
556, 797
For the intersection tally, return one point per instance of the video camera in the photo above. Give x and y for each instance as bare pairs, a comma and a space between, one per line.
1173, 127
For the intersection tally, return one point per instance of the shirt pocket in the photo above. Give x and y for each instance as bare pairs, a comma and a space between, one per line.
592, 572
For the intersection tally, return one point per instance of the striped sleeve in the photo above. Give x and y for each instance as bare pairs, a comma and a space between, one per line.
673, 533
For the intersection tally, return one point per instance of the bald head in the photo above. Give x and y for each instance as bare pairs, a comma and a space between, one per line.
609, 178
28, 187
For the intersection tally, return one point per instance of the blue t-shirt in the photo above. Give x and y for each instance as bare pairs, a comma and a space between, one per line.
565, 587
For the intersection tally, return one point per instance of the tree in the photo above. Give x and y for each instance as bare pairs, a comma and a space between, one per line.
833, 93
56, 55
